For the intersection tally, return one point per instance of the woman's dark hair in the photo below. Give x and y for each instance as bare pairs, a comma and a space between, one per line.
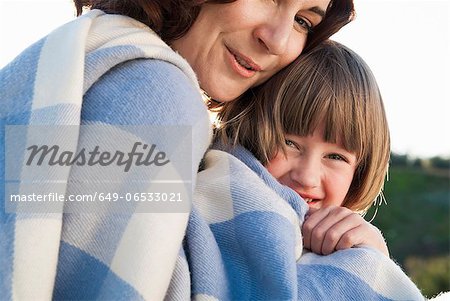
172, 18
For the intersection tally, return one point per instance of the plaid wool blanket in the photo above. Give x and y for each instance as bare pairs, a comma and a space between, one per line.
95, 255
244, 243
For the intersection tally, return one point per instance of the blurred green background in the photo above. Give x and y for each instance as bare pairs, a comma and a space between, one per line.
415, 220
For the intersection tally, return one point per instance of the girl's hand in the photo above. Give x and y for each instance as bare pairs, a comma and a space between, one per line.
329, 229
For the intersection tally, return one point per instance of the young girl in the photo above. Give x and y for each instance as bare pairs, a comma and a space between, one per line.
319, 127
316, 130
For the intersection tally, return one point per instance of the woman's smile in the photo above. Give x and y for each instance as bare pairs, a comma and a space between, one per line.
243, 65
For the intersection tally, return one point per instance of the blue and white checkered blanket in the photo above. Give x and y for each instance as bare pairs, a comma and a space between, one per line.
244, 243
95, 256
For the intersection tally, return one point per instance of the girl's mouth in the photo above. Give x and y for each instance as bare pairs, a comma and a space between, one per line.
310, 201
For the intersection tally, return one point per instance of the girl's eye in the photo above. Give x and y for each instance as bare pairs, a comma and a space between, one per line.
337, 157
304, 24
290, 143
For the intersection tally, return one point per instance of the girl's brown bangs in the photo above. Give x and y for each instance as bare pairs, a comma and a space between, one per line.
324, 101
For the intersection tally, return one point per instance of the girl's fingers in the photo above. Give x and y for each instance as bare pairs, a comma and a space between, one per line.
317, 225
329, 231
351, 238
310, 223
344, 234
364, 234
336, 228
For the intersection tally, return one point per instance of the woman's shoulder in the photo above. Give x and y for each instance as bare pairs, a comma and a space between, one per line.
144, 86
149, 75
149, 92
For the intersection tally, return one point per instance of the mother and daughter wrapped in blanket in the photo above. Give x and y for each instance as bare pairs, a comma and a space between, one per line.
295, 164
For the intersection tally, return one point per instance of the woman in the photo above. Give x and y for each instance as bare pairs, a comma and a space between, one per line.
107, 68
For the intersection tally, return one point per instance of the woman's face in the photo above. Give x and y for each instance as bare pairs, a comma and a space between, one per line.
239, 45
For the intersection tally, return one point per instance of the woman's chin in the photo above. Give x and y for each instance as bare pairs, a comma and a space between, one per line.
224, 97
223, 94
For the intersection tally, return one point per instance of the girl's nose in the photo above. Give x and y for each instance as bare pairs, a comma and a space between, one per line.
306, 174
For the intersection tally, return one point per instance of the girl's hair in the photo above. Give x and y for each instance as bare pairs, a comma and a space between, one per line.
330, 84
171, 19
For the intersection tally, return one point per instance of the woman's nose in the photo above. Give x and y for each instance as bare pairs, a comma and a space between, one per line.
274, 34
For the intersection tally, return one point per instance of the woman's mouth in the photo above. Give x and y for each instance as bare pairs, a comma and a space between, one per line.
242, 65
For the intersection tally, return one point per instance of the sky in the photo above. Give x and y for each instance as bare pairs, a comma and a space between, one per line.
406, 44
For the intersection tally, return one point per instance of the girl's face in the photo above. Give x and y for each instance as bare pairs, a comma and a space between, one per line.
320, 172
239, 45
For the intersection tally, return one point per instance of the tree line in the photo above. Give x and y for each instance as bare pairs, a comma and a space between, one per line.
437, 162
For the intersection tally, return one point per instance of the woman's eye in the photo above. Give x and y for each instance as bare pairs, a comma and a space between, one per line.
304, 24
